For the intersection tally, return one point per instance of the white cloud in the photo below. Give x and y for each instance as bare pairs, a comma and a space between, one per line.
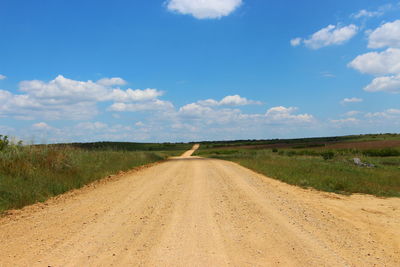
139, 124
3, 77
387, 114
230, 100
130, 95
296, 41
204, 9
204, 118
389, 84
345, 121
284, 114
42, 126
365, 13
352, 113
195, 109
331, 35
352, 100
64, 98
28, 108
64, 90
111, 81
153, 105
378, 63
387, 35
327, 74
236, 100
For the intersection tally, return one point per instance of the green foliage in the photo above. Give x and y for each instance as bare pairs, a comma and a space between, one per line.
327, 155
4, 142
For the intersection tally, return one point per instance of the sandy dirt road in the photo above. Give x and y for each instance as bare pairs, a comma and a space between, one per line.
191, 211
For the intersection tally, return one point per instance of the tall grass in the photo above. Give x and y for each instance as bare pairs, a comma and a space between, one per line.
31, 174
333, 172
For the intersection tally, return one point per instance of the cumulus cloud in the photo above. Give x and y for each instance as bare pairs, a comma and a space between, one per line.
195, 109
352, 100
384, 64
2, 77
331, 35
130, 95
230, 100
387, 35
389, 84
64, 98
63, 90
204, 9
378, 63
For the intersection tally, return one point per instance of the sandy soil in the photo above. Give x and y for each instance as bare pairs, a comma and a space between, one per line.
192, 211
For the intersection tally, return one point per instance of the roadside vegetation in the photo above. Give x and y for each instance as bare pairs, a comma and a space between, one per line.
321, 166
30, 174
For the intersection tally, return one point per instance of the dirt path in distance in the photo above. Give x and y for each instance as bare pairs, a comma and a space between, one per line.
191, 211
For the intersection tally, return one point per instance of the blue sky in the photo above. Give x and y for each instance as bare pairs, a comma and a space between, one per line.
184, 70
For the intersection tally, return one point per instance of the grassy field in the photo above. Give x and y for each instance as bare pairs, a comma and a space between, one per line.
320, 167
30, 174
344, 141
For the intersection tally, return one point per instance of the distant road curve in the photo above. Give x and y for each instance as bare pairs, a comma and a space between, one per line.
191, 211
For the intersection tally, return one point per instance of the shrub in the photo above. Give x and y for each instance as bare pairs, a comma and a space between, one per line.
327, 155
4, 142
275, 150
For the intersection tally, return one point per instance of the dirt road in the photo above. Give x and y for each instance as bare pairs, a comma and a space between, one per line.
192, 211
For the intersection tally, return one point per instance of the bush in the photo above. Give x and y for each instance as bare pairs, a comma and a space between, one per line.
327, 155
4, 142
275, 150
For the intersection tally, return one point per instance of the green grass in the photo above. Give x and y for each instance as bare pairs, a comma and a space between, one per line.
308, 168
34, 173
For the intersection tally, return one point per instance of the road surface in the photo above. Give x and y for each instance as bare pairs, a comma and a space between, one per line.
191, 211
